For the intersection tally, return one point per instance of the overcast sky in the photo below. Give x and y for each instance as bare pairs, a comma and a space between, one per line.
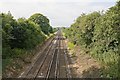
60, 12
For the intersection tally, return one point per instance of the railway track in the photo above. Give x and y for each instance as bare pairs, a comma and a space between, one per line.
51, 63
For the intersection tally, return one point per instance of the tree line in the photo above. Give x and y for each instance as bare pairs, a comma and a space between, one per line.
23, 33
98, 33
21, 36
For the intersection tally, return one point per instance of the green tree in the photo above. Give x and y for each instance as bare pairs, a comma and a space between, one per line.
99, 34
26, 35
7, 26
107, 40
42, 21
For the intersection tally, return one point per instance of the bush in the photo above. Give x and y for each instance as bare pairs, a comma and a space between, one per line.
71, 45
99, 34
19, 37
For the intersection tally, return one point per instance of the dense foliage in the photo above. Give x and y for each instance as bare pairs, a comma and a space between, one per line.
98, 34
21, 36
21, 33
43, 22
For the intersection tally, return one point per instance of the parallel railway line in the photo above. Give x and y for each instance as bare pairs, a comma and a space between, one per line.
52, 63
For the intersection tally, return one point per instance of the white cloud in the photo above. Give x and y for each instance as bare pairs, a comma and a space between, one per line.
60, 12
77, 0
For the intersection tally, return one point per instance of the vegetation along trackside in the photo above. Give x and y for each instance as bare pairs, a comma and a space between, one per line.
98, 34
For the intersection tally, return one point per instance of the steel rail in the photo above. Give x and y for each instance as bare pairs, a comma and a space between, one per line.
57, 60
36, 60
42, 63
51, 63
